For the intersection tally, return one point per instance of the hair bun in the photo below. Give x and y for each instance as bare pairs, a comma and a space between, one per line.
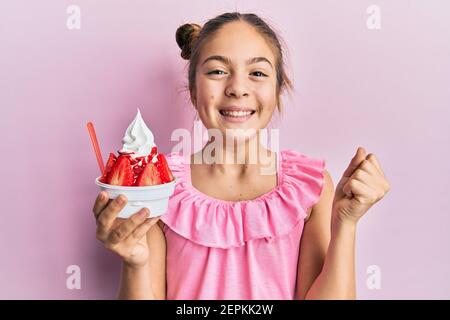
186, 36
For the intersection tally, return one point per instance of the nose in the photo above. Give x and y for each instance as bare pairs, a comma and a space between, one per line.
236, 88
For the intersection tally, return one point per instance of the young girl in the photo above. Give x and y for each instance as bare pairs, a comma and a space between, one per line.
232, 231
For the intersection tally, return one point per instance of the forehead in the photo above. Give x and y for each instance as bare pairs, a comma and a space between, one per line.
238, 41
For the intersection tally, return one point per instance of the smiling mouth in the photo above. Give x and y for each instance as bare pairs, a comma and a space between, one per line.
236, 114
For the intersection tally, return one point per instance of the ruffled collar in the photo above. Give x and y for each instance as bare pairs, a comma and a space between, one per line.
224, 224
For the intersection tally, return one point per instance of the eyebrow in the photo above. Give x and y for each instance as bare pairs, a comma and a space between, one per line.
228, 61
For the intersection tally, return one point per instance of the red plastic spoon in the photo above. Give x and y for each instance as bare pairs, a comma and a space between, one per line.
94, 141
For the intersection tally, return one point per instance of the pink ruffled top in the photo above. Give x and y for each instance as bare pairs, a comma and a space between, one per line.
222, 250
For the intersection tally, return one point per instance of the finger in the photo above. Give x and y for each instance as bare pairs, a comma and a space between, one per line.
361, 190
107, 217
355, 162
368, 174
362, 176
142, 230
368, 167
100, 203
125, 229
381, 181
371, 157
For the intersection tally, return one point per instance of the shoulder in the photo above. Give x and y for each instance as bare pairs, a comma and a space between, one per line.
293, 161
327, 181
328, 186
324, 204
309, 171
306, 176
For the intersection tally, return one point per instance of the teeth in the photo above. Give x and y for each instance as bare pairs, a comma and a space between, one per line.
236, 113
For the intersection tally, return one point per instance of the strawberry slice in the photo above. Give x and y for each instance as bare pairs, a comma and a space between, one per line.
109, 164
149, 176
137, 170
121, 173
150, 156
134, 161
163, 168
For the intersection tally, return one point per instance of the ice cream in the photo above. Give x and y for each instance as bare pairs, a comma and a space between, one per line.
138, 139
138, 162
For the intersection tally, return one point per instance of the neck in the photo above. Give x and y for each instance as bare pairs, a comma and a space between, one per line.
237, 158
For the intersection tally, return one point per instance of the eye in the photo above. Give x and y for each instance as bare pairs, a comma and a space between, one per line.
215, 72
261, 74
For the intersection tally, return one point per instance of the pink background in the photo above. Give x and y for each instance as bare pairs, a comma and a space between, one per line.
386, 90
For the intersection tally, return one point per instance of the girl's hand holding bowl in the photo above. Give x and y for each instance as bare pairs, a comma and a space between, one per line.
125, 237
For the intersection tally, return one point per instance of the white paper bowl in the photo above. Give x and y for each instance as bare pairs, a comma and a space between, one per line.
155, 198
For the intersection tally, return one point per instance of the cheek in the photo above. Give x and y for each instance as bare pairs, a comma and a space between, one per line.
268, 96
207, 102
207, 96
207, 91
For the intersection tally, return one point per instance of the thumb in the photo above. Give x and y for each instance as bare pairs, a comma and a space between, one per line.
359, 157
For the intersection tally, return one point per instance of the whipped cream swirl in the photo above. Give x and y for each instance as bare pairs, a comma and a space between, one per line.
138, 138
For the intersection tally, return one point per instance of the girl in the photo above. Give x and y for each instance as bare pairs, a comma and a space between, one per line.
232, 231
